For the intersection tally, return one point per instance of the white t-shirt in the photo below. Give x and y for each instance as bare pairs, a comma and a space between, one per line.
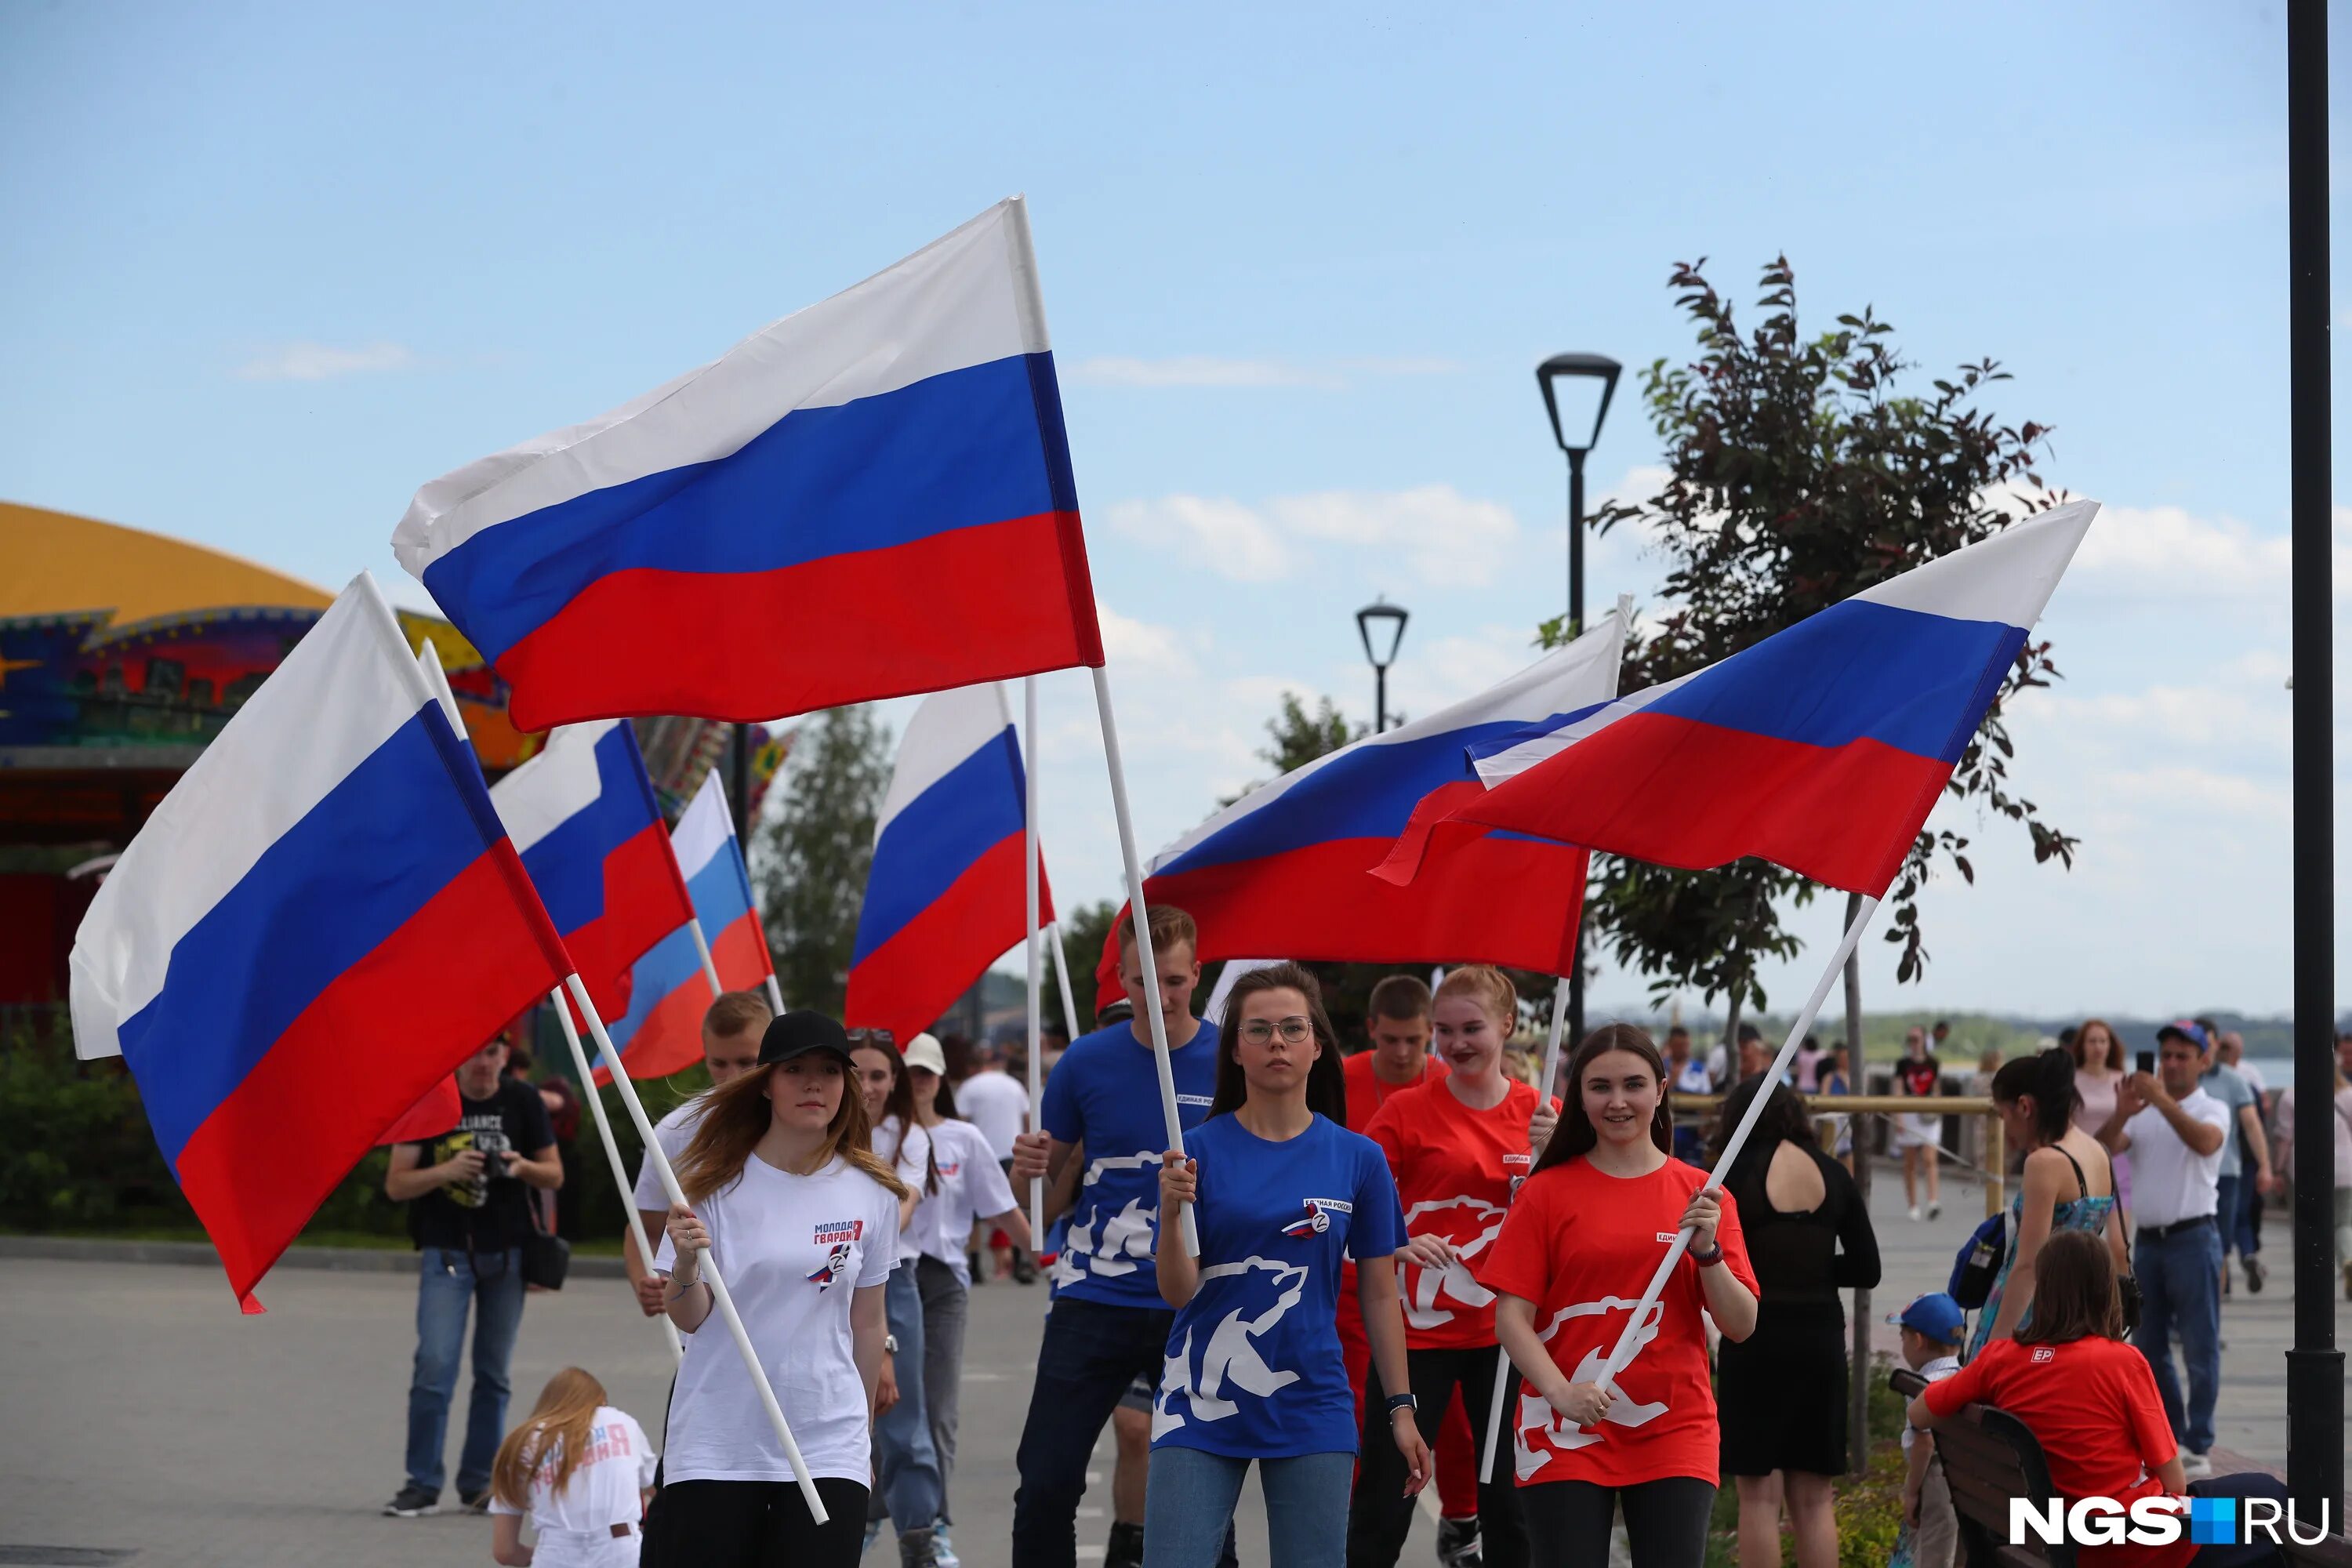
914, 1167
972, 1185
601, 1491
2169, 1183
673, 1132
793, 1251
998, 1104
1938, 1369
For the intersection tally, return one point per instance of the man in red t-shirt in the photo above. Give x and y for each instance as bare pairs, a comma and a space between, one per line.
1397, 1019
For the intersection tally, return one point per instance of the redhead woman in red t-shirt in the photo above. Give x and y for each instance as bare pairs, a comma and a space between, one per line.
1458, 1145
1589, 1229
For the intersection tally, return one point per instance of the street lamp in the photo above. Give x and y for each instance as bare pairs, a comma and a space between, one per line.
1381, 626
1592, 380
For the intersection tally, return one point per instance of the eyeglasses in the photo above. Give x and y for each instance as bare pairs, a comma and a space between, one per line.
871, 1037
1294, 1031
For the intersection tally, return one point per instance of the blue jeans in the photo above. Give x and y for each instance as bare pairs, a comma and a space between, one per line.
2180, 1295
1189, 1501
2230, 1214
908, 1464
451, 1281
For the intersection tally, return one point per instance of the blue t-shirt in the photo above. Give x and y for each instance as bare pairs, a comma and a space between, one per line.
1105, 1093
1254, 1364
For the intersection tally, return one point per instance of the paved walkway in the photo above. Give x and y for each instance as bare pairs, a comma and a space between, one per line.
147, 1417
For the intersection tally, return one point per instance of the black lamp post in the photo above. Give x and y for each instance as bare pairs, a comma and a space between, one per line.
1381, 624
1576, 438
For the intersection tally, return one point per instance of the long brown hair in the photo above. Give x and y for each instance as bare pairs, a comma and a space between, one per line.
556, 1433
1327, 1082
899, 1103
2074, 1292
738, 1117
2114, 1062
1575, 1135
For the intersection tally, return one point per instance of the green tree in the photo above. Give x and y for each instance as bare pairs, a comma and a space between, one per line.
1798, 476
813, 857
1297, 735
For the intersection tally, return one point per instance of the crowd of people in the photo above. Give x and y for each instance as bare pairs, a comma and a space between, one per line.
1398, 1250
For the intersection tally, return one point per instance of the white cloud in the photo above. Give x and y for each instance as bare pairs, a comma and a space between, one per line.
306, 360
1225, 536
1444, 538
1140, 644
1209, 369
2163, 550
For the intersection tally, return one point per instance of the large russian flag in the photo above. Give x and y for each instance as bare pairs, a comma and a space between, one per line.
583, 816
662, 1031
897, 451
1821, 748
1283, 869
320, 920
946, 895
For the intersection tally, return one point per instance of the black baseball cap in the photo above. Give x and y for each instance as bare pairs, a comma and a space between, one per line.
796, 1034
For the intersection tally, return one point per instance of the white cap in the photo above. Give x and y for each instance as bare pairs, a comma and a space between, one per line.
923, 1051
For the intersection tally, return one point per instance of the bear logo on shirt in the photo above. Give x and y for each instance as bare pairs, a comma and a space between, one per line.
836, 1264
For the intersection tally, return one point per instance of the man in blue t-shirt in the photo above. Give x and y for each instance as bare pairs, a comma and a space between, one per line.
1107, 1325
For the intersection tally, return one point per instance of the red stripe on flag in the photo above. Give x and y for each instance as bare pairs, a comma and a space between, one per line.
750, 646
362, 1054
1512, 901
1677, 792
429, 1118
644, 903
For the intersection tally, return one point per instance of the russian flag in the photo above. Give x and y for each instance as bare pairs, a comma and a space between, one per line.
946, 895
1283, 869
662, 1031
583, 816
898, 448
1821, 748
320, 920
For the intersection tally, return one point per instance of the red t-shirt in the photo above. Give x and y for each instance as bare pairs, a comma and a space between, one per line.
1581, 1244
2093, 1406
1455, 1171
1366, 1094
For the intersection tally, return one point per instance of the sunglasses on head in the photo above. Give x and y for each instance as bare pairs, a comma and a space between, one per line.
873, 1036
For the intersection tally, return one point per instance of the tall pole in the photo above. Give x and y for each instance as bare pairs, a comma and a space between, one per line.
1576, 629
739, 791
2315, 1378
1858, 1389
1380, 698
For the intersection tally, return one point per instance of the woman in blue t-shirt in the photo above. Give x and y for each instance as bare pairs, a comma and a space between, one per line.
1281, 1190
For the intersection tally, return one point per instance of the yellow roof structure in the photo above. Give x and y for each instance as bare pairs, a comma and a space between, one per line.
52, 563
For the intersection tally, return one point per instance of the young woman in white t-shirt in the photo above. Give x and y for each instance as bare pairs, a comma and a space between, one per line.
580, 1470
788, 1196
967, 1186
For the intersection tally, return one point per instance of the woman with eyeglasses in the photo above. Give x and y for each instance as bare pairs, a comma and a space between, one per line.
1459, 1147
1282, 1192
904, 1460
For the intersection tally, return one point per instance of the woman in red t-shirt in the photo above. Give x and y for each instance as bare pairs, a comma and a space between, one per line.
1589, 1229
2091, 1401
1457, 1146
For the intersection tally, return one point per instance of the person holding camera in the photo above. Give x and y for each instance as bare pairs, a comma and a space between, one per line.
470, 1193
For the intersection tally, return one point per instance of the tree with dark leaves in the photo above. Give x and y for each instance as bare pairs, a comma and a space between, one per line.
1798, 474
814, 853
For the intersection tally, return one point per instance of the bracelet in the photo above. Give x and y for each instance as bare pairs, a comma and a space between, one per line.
1707, 1260
1404, 1401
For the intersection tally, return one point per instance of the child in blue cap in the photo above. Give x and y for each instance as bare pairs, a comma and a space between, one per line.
1933, 1327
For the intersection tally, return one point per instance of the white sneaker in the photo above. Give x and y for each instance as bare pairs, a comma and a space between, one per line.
1935, 1210
942, 1553
1914, 1213
2195, 1466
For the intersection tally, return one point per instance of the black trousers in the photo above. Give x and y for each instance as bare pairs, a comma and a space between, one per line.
1380, 1515
754, 1524
1666, 1521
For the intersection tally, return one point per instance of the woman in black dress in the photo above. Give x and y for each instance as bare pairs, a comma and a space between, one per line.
1782, 1391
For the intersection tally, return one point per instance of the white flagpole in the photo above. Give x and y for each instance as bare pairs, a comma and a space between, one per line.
1029, 926
775, 996
719, 1296
1143, 918
1503, 1358
612, 1155
1623, 1352
702, 950
1071, 1023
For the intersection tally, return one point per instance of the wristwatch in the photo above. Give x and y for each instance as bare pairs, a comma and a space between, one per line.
1404, 1401
890, 1343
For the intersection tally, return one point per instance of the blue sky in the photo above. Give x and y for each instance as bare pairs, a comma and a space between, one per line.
269, 267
